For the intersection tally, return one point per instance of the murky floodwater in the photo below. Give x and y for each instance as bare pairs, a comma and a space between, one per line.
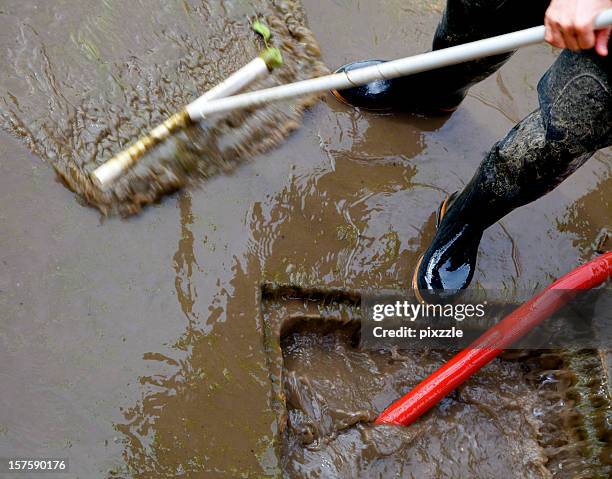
136, 347
536, 415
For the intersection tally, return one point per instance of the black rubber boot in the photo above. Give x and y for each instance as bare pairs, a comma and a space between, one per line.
574, 120
448, 265
412, 93
377, 95
442, 90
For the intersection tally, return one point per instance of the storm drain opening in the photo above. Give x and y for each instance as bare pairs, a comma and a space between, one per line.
534, 414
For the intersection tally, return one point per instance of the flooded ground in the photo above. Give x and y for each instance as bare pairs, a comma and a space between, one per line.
134, 347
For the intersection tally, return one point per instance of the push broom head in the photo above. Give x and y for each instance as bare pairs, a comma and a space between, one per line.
107, 173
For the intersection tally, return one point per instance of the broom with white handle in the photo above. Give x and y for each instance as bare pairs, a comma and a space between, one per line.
384, 71
109, 171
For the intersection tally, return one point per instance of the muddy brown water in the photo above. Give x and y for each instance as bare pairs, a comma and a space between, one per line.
537, 414
134, 347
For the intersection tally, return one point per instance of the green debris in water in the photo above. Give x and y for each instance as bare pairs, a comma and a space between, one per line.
262, 29
272, 57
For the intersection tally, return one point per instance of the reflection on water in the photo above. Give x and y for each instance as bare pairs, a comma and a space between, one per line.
588, 219
193, 417
184, 263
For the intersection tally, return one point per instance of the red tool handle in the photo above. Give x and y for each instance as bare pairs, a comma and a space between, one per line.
458, 369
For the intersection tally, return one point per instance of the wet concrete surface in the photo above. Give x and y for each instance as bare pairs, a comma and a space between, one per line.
134, 347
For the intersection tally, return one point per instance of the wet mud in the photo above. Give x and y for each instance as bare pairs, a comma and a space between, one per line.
528, 414
139, 348
80, 87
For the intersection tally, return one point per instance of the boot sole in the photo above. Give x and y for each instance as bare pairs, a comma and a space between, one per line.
415, 286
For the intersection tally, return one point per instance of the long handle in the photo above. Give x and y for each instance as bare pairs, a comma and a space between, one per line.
109, 171
386, 71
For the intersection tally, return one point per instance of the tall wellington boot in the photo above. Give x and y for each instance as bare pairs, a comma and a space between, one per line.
574, 120
442, 90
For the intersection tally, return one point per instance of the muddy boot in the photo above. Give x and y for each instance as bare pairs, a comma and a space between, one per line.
574, 120
442, 90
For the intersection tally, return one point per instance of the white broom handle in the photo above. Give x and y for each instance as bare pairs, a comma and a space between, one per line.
249, 73
386, 71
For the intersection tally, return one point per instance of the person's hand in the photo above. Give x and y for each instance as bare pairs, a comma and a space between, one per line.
571, 24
